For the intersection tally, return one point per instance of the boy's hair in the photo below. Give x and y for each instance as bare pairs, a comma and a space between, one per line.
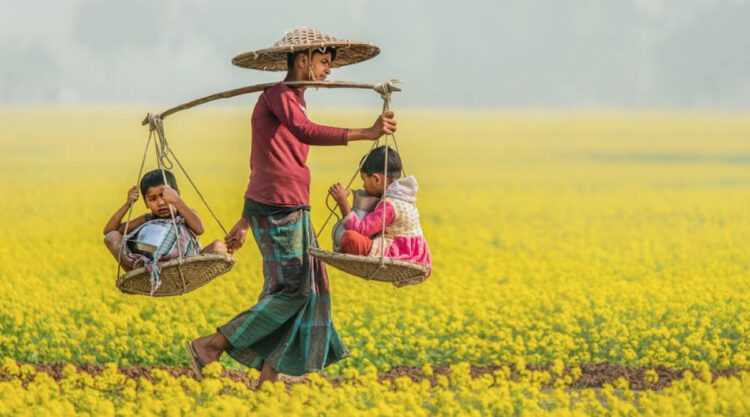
155, 178
375, 162
292, 56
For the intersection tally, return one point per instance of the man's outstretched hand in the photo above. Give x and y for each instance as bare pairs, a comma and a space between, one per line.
385, 124
236, 237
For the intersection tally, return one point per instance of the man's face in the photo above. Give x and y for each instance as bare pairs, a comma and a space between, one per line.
154, 200
321, 66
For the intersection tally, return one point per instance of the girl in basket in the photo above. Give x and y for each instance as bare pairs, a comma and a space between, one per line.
403, 234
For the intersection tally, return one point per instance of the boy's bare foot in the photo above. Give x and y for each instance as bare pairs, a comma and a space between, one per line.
209, 348
113, 241
217, 246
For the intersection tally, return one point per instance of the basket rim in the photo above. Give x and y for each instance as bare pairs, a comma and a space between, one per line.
190, 259
374, 260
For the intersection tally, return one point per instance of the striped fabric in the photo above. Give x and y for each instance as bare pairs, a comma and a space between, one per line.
167, 250
290, 327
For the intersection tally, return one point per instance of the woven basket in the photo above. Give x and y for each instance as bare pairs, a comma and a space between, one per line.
274, 58
394, 271
197, 270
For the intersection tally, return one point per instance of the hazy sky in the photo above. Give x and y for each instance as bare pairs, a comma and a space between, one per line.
508, 54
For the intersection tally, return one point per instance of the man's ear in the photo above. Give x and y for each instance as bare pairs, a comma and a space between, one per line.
301, 61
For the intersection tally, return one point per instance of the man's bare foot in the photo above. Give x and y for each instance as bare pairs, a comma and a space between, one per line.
267, 373
209, 348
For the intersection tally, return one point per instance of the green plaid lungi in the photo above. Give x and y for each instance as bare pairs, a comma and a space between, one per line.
290, 327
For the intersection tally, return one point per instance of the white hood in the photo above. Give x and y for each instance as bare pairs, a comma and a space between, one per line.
403, 189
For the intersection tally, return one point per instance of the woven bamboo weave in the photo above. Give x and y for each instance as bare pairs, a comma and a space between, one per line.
302, 39
197, 270
393, 270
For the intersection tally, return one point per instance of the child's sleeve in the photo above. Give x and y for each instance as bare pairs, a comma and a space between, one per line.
373, 222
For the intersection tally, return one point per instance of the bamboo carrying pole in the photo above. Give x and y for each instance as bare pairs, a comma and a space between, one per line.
387, 85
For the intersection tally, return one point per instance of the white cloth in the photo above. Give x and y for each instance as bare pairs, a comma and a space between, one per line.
404, 189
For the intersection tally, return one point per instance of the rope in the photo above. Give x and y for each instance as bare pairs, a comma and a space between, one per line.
332, 210
386, 104
163, 161
198, 192
309, 65
130, 210
166, 152
385, 89
157, 124
161, 155
383, 198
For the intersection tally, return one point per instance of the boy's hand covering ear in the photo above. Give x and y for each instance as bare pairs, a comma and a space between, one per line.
170, 195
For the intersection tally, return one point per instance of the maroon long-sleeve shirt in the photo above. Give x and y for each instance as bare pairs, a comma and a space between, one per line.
282, 134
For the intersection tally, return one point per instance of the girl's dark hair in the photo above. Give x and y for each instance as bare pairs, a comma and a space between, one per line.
291, 56
154, 178
375, 162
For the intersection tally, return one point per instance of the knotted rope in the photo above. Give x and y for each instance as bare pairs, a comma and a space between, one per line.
164, 156
385, 94
164, 152
130, 210
385, 89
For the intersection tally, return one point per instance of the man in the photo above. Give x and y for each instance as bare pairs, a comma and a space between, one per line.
289, 330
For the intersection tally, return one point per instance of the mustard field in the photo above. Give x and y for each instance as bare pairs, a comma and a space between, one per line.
557, 240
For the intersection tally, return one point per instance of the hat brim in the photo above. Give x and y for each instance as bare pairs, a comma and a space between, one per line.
274, 59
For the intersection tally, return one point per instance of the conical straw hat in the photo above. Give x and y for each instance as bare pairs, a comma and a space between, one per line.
274, 58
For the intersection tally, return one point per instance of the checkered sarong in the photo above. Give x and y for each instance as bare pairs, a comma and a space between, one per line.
290, 327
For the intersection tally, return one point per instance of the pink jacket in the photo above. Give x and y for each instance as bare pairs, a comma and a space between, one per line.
403, 233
